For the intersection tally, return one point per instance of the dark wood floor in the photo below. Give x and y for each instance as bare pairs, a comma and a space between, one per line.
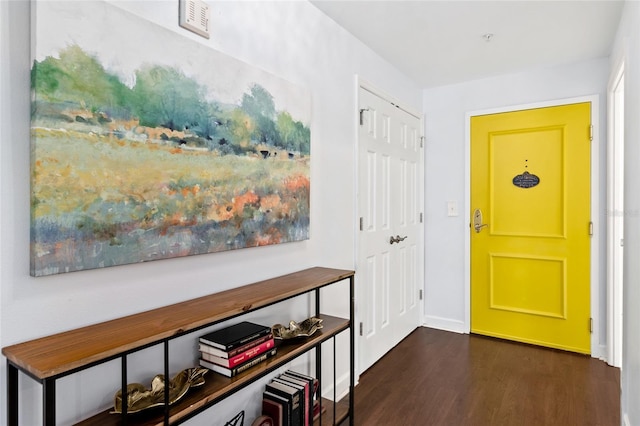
439, 378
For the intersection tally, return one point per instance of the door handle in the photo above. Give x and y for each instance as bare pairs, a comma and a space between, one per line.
477, 221
397, 239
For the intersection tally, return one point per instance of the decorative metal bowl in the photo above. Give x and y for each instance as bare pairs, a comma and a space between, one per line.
140, 398
305, 328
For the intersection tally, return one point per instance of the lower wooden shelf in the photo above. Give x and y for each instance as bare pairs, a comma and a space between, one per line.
217, 387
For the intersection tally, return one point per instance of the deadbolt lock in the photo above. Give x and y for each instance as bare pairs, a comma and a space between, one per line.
477, 221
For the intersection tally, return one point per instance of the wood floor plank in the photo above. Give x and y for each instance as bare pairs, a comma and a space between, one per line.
438, 378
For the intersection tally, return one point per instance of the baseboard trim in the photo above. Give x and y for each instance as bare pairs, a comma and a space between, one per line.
445, 324
625, 420
342, 388
600, 352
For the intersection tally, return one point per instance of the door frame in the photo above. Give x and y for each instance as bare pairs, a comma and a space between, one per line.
597, 349
361, 83
614, 217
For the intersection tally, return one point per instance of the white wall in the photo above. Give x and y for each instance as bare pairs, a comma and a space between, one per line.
445, 109
627, 48
293, 40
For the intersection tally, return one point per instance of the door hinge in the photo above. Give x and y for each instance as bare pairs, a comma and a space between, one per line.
362, 110
591, 133
362, 223
361, 326
421, 217
590, 325
591, 229
420, 291
421, 141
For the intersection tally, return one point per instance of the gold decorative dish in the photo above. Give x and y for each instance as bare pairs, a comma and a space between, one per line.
305, 328
140, 398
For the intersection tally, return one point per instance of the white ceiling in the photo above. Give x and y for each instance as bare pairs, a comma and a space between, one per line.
441, 42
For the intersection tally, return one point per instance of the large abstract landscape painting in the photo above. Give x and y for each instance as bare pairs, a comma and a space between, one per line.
147, 145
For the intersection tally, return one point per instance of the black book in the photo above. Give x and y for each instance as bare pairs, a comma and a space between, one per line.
307, 408
293, 396
277, 407
235, 335
312, 380
309, 390
301, 397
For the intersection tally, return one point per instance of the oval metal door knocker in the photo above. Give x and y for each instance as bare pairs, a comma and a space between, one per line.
526, 180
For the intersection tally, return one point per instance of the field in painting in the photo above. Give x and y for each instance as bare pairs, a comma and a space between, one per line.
96, 206
123, 175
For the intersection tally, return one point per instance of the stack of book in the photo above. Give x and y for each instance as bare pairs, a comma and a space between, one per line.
236, 348
290, 399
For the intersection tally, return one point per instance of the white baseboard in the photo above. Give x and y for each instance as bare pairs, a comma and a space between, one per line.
445, 324
600, 352
342, 388
625, 420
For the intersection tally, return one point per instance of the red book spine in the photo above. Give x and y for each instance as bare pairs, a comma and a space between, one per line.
204, 348
240, 358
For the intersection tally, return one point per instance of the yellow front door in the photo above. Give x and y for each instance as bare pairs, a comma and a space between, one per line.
530, 226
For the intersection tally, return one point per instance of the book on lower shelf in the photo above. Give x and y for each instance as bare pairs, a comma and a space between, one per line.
231, 372
293, 397
300, 395
304, 388
277, 408
234, 336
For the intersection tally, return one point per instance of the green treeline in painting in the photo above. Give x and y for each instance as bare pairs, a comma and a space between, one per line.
156, 169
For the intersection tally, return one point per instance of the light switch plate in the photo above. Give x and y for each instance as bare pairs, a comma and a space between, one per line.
194, 16
452, 208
